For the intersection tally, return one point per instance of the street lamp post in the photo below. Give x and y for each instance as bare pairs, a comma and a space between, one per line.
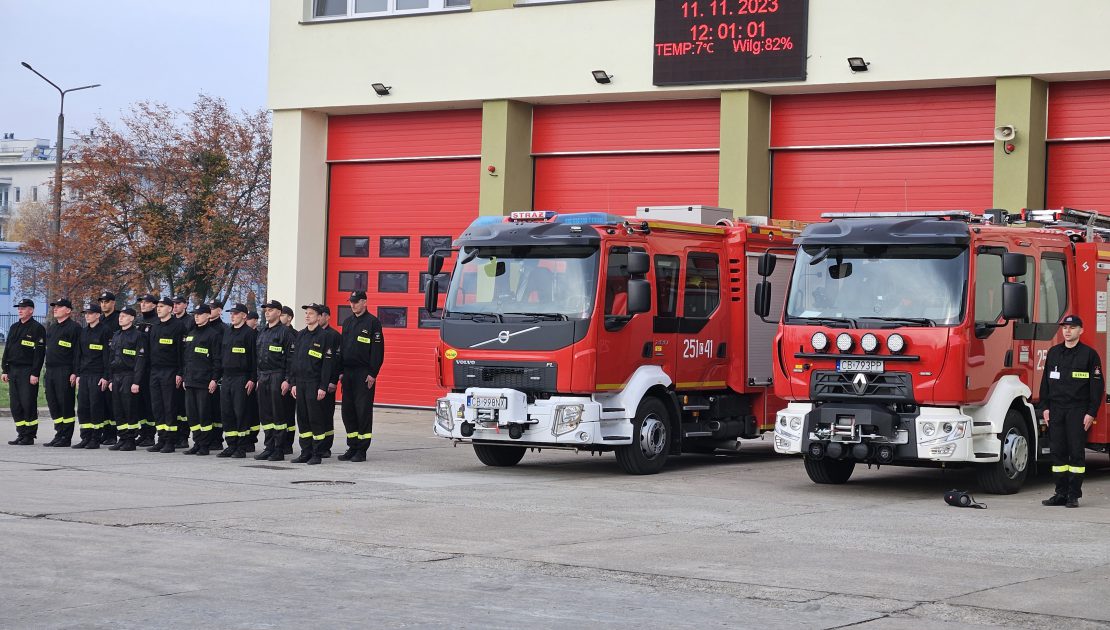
58, 151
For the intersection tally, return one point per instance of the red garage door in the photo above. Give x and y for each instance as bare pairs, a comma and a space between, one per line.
385, 214
617, 156
1079, 146
900, 150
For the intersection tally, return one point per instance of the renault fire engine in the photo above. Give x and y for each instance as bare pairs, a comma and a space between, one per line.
920, 338
595, 332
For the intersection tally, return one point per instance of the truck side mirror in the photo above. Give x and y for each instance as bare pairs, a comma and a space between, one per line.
1015, 299
1013, 265
638, 263
431, 296
435, 265
766, 265
639, 296
762, 304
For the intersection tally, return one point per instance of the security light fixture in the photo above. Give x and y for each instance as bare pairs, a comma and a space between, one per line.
857, 64
602, 77
381, 89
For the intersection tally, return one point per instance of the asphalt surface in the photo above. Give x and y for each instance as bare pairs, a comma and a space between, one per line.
424, 536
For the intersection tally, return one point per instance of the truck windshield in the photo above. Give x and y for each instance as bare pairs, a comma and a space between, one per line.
522, 281
882, 285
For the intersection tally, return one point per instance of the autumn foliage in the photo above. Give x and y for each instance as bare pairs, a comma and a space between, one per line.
170, 202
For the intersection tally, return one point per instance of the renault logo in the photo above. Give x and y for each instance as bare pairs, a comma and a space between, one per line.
859, 383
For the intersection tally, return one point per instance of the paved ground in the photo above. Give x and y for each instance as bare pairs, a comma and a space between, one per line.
423, 536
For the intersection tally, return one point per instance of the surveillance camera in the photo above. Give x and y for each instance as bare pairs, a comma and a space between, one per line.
1005, 133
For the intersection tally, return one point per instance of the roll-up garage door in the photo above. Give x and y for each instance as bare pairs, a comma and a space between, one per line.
400, 185
1079, 146
617, 156
882, 151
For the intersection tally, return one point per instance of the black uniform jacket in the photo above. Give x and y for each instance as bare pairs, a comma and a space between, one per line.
95, 341
167, 341
63, 345
238, 354
129, 353
26, 347
274, 347
314, 358
363, 347
1072, 379
201, 361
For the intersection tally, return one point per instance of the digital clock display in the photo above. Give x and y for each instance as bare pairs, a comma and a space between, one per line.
729, 41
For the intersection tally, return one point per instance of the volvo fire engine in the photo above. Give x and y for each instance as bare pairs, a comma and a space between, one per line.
920, 338
595, 332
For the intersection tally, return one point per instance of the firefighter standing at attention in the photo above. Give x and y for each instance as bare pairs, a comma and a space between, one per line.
24, 354
362, 354
63, 355
1071, 394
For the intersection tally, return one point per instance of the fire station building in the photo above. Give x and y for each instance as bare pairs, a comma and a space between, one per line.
397, 122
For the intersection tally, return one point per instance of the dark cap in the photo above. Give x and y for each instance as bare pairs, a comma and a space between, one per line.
274, 304
107, 295
25, 302
319, 308
239, 308
1072, 320
180, 299
358, 295
287, 310
252, 315
214, 305
128, 310
149, 297
201, 308
92, 307
62, 302
168, 301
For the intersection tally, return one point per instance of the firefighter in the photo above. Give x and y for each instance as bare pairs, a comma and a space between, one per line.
128, 366
92, 378
180, 306
252, 320
21, 365
362, 352
240, 373
166, 338
273, 348
286, 320
334, 343
311, 371
1071, 394
148, 316
109, 318
217, 435
252, 397
200, 369
63, 355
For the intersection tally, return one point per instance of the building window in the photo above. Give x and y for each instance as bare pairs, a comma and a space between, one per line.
334, 9
393, 316
429, 244
34, 193
442, 280
354, 246
5, 280
17, 194
342, 313
430, 321
394, 246
352, 280
393, 281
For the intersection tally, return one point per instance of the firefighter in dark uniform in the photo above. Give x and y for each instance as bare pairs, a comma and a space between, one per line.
215, 406
335, 344
286, 320
362, 352
240, 373
148, 315
63, 356
166, 337
93, 376
128, 366
109, 318
21, 366
273, 350
312, 366
180, 306
252, 398
1072, 390
201, 370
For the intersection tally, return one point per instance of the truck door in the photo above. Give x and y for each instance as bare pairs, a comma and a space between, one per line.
1052, 304
624, 341
701, 345
667, 271
988, 346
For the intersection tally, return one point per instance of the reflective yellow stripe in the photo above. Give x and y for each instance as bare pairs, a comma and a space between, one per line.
279, 427
27, 423
205, 427
162, 427
256, 427
171, 429
318, 437
267, 427
1059, 469
64, 420
1078, 470
194, 427
306, 434
65, 344
218, 425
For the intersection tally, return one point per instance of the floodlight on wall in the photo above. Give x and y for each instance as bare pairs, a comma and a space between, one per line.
602, 77
381, 89
857, 64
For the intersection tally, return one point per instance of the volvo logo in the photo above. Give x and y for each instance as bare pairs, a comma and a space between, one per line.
859, 383
504, 336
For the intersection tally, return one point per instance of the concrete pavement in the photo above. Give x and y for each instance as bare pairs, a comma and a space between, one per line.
424, 536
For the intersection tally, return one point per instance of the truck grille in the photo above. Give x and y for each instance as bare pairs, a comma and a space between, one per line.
534, 377
885, 387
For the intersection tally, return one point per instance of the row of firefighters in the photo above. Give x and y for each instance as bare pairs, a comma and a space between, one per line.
132, 379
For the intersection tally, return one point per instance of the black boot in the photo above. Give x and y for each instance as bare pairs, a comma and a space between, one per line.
127, 445
117, 446
239, 454
53, 442
348, 454
194, 449
169, 447
108, 440
93, 443
306, 454
360, 455
156, 447
201, 450
1054, 500
276, 456
249, 448
265, 454
314, 460
18, 441
83, 443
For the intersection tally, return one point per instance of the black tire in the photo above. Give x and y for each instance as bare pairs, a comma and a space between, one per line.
493, 455
826, 470
1007, 475
651, 439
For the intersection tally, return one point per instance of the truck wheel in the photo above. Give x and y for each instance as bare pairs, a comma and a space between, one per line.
499, 455
651, 438
1007, 475
829, 470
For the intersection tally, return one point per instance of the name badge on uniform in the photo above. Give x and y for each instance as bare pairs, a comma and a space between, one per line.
363, 339
25, 342
65, 344
315, 353
1054, 374
238, 350
189, 338
166, 342
276, 349
1080, 375
200, 350
129, 352
95, 346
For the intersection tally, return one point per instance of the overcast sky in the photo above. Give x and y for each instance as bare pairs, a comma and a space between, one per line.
157, 50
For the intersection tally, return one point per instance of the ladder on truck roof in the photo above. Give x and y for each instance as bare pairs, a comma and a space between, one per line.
958, 215
1071, 221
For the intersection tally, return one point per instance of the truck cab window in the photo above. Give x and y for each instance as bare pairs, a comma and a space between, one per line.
988, 287
1053, 285
616, 283
702, 292
666, 285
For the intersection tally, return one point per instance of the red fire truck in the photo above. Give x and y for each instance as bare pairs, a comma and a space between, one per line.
920, 338
594, 332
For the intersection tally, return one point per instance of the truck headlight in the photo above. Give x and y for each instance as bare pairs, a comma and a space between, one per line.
869, 343
928, 429
443, 414
567, 418
795, 422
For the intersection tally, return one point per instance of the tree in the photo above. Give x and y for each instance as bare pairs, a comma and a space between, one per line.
169, 201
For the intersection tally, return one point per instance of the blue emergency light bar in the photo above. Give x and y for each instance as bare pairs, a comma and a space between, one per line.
550, 216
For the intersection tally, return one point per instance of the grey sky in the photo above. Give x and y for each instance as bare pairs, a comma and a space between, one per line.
159, 50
